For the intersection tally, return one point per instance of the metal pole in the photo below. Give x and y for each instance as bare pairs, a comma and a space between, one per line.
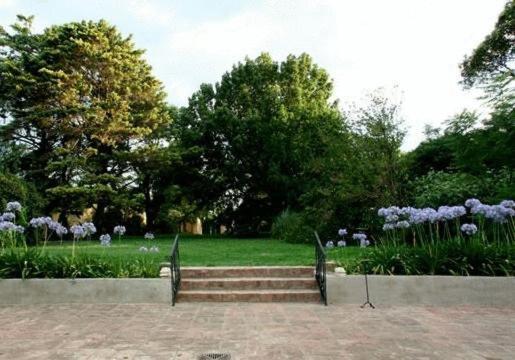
366, 286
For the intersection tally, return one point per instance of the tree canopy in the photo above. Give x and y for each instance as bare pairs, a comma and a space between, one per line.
75, 98
494, 56
260, 132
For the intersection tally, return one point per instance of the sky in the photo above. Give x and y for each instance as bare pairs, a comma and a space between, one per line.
409, 48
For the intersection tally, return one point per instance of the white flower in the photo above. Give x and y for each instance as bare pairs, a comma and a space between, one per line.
119, 230
329, 245
143, 249
105, 240
154, 249
388, 226
13, 206
342, 243
364, 243
392, 218
149, 236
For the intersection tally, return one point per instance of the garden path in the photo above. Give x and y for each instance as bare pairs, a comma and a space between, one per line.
255, 331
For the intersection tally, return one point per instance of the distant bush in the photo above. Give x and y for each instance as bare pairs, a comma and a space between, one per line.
439, 187
291, 227
13, 188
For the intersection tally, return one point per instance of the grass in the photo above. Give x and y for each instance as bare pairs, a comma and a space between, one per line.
209, 251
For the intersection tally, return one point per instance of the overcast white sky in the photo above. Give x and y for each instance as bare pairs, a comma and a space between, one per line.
415, 45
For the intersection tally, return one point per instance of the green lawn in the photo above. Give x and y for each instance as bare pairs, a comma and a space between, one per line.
205, 251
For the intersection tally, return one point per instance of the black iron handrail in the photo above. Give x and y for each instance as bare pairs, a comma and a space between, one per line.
320, 268
175, 269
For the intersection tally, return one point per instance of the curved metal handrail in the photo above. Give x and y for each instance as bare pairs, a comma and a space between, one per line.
320, 268
175, 269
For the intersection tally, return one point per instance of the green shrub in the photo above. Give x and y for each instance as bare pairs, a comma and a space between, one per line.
13, 188
291, 227
440, 188
34, 263
454, 257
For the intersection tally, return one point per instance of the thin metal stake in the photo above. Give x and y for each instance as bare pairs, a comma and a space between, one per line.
366, 286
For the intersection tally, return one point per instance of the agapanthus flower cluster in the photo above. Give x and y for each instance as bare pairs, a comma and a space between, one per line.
10, 226
497, 213
342, 232
359, 236
362, 238
329, 245
143, 249
153, 249
78, 231
472, 203
451, 212
342, 243
402, 218
508, 204
89, 228
60, 230
105, 240
149, 236
13, 206
45, 221
39, 222
119, 230
403, 224
8, 216
469, 229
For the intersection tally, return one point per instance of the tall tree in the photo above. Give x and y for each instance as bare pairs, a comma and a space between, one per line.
491, 64
259, 132
77, 96
379, 135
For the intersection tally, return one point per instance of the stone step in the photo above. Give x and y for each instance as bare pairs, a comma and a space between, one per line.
247, 272
248, 296
251, 283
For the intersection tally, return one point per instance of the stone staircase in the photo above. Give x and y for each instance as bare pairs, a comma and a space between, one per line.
247, 284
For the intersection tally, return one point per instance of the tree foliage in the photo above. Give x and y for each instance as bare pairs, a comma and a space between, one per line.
494, 56
261, 133
76, 98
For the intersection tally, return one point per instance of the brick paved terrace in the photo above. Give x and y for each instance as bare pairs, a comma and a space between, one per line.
255, 331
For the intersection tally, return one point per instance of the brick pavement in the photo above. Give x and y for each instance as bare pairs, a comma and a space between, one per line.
255, 331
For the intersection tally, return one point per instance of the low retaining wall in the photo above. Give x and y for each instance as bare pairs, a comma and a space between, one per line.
53, 291
421, 290
342, 289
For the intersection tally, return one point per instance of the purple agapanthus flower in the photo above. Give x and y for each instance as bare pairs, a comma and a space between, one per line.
342, 232
78, 231
469, 229
105, 240
8, 216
